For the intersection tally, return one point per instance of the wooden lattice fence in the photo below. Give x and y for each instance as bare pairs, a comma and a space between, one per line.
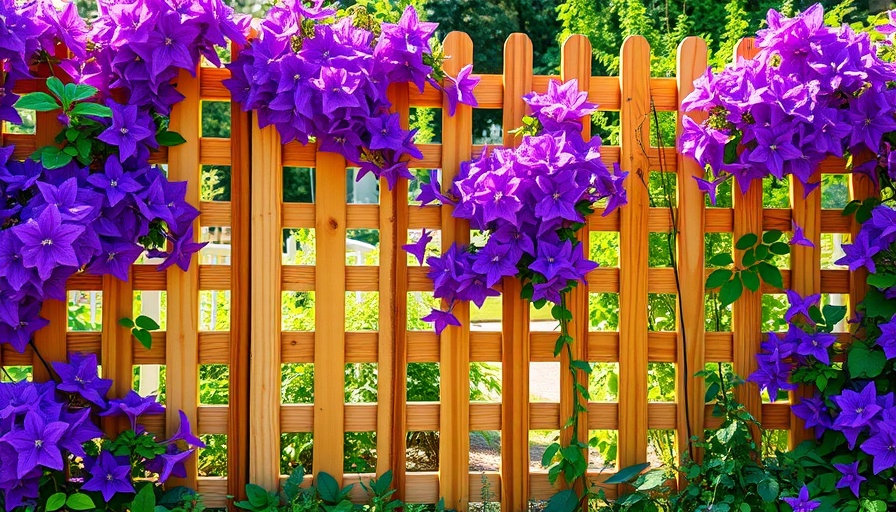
256, 279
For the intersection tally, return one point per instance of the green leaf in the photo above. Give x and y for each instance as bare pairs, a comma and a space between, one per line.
257, 496
147, 323
851, 207
652, 480
749, 257
56, 86
145, 500
549, 453
71, 134
55, 502
770, 237
581, 365
91, 109
746, 241
877, 305
730, 155
770, 274
327, 487
780, 248
712, 392
80, 91
79, 501
731, 291
560, 313
144, 337
718, 278
882, 281
126, 322
70, 150
52, 157
751, 280
833, 314
563, 501
168, 138
292, 484
863, 362
768, 489
761, 252
626, 474
38, 101
721, 260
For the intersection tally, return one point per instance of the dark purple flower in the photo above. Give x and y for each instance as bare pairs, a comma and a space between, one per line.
857, 409
802, 503
460, 89
47, 242
114, 182
418, 248
851, 478
37, 443
800, 305
494, 262
881, 445
799, 238
183, 433
887, 339
126, 130
182, 251
553, 259
109, 476
338, 89
814, 412
441, 319
133, 406
81, 376
711, 187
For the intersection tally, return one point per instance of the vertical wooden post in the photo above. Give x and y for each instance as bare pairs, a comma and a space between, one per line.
49, 341
117, 355
515, 317
392, 360
240, 303
329, 316
394, 318
860, 187
182, 346
747, 310
805, 274
575, 63
634, 80
454, 423
692, 57
266, 178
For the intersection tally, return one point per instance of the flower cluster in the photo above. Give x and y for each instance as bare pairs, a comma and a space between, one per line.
140, 46
47, 428
26, 29
530, 201
312, 73
812, 91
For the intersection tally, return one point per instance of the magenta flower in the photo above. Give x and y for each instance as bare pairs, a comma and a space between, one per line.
460, 89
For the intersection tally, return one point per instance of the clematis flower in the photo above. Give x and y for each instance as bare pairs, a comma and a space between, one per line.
802, 503
460, 89
183, 433
441, 319
47, 242
418, 248
800, 305
126, 131
81, 376
710, 187
37, 444
857, 409
109, 476
881, 446
799, 237
114, 182
133, 406
851, 478
494, 262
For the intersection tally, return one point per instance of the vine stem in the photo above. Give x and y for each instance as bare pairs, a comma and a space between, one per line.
47, 366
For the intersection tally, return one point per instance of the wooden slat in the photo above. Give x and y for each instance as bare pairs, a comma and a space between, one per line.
182, 349
575, 64
214, 491
329, 319
266, 179
454, 444
633, 250
515, 312
214, 151
117, 345
747, 310
691, 63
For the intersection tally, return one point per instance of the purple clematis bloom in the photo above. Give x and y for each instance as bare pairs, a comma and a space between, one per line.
81, 376
799, 238
494, 262
183, 433
553, 259
47, 242
881, 445
802, 503
711, 188
460, 89
37, 443
133, 406
441, 319
851, 478
814, 412
800, 305
114, 182
887, 339
418, 248
338, 88
182, 251
126, 130
109, 476
857, 409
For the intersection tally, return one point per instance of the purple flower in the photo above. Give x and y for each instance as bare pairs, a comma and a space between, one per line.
799, 238
553, 259
133, 406
37, 443
881, 445
711, 187
857, 409
386, 132
441, 319
126, 131
816, 345
182, 251
802, 503
800, 305
183, 433
814, 412
418, 248
494, 262
887, 339
47, 242
851, 478
114, 182
498, 197
81, 376
560, 195
109, 476
338, 87
772, 374
460, 89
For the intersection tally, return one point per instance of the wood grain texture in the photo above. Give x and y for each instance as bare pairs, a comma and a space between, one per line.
117, 352
329, 315
633, 250
241, 304
266, 179
691, 348
747, 310
182, 347
515, 312
575, 63
454, 445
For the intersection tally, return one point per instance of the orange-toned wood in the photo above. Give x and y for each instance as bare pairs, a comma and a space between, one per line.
805, 274
515, 317
860, 187
182, 347
633, 233
575, 63
266, 184
747, 311
689, 392
329, 316
240, 265
117, 353
454, 426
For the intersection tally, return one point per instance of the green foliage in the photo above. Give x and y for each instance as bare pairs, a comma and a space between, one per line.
140, 328
756, 266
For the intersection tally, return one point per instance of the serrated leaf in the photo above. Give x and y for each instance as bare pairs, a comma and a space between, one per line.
37, 101
751, 280
718, 278
771, 275
731, 291
79, 501
55, 502
168, 138
770, 237
746, 241
721, 260
145, 500
147, 323
91, 109
627, 474
144, 337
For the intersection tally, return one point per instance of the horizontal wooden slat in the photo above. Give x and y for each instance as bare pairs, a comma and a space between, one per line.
213, 491
215, 213
212, 419
214, 347
214, 277
210, 83
148, 278
214, 151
